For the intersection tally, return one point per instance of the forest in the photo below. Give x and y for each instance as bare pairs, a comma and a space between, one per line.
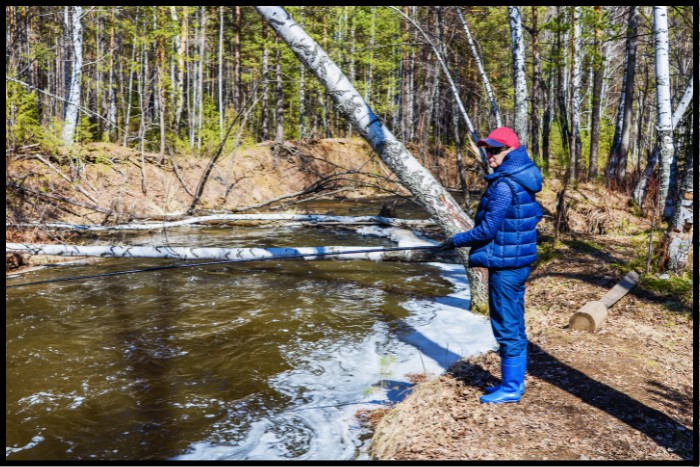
121, 116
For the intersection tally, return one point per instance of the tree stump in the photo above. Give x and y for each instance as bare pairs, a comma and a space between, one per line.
590, 316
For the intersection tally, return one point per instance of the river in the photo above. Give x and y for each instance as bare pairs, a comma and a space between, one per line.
257, 361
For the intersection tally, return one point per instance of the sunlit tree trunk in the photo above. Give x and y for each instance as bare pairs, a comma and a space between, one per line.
537, 88
598, 72
266, 87
617, 165
640, 189
72, 113
520, 123
480, 67
679, 237
575, 139
664, 127
435, 199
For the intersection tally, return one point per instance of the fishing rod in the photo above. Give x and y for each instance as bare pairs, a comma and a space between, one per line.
226, 261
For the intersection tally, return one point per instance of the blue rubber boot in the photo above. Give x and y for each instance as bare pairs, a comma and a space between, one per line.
521, 389
513, 376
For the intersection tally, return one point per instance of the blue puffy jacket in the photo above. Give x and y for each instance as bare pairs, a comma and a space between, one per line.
504, 234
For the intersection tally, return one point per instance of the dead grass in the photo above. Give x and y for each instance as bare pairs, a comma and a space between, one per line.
623, 393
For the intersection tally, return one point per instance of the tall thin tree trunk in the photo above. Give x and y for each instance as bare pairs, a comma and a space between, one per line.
640, 190
537, 87
438, 202
598, 72
480, 67
181, 55
302, 88
221, 71
574, 142
75, 83
200, 73
664, 132
161, 64
237, 87
519, 78
455, 92
617, 167
279, 114
266, 87
679, 237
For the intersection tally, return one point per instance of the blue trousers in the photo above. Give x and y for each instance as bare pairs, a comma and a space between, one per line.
507, 309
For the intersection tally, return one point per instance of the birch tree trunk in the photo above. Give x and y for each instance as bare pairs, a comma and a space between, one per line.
229, 254
480, 67
640, 189
537, 88
266, 87
664, 132
237, 89
221, 71
520, 123
679, 237
453, 87
598, 72
279, 113
617, 168
72, 105
180, 75
575, 141
416, 178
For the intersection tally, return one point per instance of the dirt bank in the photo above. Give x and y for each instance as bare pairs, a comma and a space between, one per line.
624, 392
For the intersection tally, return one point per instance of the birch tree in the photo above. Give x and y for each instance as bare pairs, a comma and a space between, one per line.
679, 237
617, 162
453, 87
575, 141
641, 188
74, 25
416, 178
519, 78
664, 131
598, 72
480, 67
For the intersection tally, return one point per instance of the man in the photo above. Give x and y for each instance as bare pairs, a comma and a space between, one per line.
504, 240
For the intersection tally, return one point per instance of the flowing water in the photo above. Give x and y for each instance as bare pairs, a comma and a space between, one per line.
267, 360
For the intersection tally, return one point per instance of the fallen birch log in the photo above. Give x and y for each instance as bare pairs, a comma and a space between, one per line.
247, 254
591, 315
303, 219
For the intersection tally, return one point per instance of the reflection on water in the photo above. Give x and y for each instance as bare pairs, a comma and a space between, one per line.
255, 361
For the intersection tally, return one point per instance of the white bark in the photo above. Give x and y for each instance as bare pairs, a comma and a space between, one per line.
453, 88
312, 219
233, 254
416, 178
480, 67
680, 228
663, 99
575, 96
519, 77
640, 189
72, 106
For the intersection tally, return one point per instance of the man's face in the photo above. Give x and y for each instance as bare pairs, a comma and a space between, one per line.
495, 156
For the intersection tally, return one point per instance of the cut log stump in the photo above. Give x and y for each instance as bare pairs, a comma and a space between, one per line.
590, 316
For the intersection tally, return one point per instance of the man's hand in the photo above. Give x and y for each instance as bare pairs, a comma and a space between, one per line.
447, 245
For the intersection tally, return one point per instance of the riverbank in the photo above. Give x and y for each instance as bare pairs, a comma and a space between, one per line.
624, 392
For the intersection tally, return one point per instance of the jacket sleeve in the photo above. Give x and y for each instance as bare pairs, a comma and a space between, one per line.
496, 209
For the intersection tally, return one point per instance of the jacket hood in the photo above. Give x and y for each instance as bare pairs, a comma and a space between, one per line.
520, 167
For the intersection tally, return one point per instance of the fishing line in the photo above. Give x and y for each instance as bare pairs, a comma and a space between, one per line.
227, 261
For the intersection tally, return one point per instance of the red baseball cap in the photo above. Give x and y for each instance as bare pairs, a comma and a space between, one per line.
500, 137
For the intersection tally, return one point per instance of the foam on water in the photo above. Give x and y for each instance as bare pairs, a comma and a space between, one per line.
330, 383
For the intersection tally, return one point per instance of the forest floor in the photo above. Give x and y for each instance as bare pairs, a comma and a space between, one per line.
624, 392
